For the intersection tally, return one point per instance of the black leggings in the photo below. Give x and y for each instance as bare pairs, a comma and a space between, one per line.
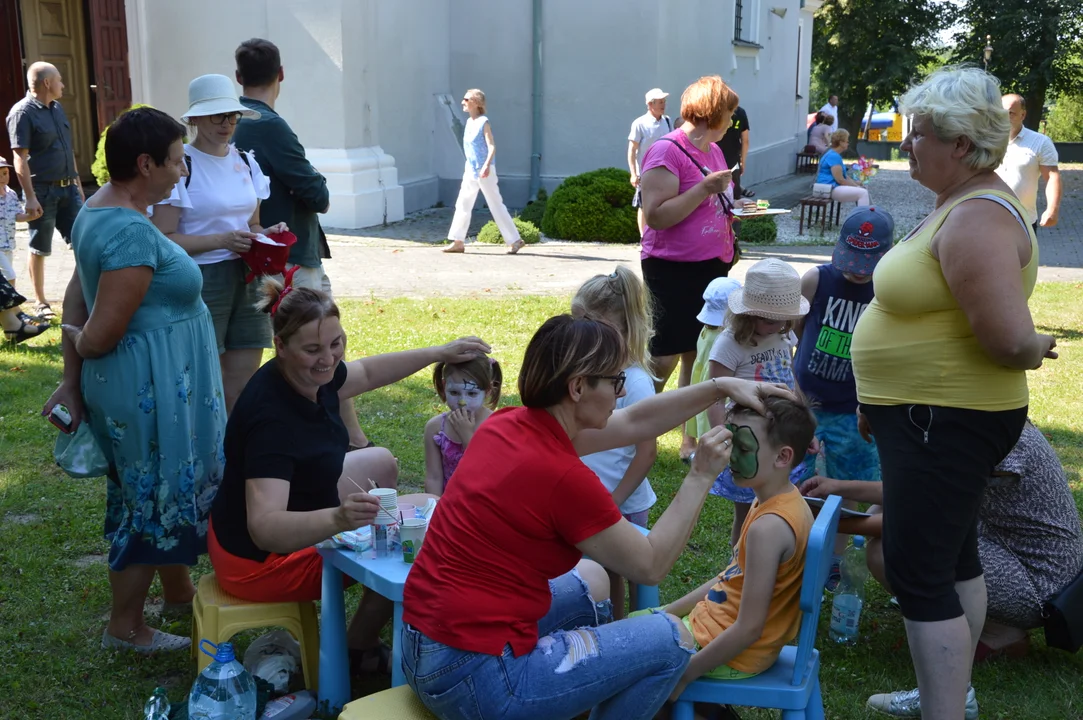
936, 462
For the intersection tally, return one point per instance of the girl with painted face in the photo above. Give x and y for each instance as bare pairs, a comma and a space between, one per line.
471, 391
757, 344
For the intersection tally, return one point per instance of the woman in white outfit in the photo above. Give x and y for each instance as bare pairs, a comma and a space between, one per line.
833, 172
479, 174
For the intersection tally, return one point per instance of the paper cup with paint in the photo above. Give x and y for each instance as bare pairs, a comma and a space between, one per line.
413, 534
385, 528
407, 511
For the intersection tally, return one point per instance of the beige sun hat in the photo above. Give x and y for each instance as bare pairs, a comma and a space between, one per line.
213, 95
772, 291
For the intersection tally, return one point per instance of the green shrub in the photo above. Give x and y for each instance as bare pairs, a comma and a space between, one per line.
758, 231
528, 231
594, 206
535, 211
98, 168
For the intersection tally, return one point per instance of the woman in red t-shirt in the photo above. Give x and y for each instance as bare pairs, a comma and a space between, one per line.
489, 632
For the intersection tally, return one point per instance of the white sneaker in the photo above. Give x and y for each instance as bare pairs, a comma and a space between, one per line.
907, 704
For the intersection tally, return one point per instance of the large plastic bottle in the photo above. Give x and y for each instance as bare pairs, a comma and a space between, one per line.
850, 594
224, 690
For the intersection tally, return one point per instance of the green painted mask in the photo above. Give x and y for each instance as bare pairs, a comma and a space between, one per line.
744, 458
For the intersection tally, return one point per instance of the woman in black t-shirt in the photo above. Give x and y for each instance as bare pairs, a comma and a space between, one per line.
289, 480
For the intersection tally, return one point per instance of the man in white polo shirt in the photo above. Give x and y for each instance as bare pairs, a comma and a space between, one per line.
1030, 156
646, 128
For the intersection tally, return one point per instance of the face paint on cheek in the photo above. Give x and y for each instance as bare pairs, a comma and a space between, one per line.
467, 396
744, 457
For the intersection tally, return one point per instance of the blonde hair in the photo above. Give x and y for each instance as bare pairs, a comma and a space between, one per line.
838, 137
708, 100
297, 306
743, 327
622, 299
962, 101
477, 96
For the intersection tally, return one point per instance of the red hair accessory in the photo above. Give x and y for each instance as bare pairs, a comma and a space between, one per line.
266, 259
287, 278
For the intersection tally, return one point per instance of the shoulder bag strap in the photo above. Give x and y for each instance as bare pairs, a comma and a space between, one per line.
727, 206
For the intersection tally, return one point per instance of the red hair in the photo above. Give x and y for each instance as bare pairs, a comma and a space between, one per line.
708, 100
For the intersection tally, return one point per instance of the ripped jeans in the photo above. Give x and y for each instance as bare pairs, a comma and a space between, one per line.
624, 670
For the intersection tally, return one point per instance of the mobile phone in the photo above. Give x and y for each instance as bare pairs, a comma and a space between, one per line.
61, 418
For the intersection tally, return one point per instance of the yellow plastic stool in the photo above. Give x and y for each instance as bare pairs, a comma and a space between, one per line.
400, 703
218, 616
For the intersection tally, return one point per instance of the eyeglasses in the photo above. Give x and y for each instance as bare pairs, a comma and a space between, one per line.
618, 380
222, 118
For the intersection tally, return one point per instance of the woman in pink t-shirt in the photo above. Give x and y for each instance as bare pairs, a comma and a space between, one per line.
688, 241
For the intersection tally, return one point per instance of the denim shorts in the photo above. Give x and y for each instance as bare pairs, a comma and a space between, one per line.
238, 325
624, 669
725, 487
846, 454
59, 206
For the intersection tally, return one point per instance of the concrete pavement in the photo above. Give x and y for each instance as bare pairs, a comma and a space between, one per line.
404, 259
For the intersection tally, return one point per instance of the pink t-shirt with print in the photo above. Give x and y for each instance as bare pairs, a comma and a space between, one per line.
705, 234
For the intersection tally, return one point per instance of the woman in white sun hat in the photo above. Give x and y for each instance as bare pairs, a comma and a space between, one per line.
213, 214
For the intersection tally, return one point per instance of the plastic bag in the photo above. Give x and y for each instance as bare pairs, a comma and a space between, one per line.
274, 657
79, 455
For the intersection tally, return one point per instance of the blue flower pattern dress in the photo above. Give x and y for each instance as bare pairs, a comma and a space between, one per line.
155, 402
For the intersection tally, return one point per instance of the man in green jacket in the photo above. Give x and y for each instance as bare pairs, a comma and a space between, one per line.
298, 190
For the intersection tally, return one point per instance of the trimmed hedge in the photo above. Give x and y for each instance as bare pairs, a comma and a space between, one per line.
98, 168
528, 232
758, 230
595, 206
535, 211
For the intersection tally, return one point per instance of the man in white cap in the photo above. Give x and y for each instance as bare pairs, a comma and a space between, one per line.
646, 129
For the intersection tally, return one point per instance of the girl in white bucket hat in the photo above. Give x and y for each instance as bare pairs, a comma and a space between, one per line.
213, 213
757, 344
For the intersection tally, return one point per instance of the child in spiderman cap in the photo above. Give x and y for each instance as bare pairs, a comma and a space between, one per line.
838, 293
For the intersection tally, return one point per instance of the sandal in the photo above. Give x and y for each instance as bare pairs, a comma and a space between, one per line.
516, 247
455, 247
748, 193
25, 332
44, 312
373, 661
31, 319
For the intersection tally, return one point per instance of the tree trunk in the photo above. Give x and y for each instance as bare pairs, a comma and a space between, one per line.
1035, 99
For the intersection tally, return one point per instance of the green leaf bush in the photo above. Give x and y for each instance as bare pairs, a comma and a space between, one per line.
595, 206
98, 168
528, 232
535, 211
758, 231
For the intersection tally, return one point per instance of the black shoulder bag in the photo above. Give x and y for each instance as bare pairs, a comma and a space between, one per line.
727, 206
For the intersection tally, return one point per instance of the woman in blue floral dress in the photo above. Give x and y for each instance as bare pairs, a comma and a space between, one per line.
141, 366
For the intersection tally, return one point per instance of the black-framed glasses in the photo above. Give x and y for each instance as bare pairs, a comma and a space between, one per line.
618, 380
222, 118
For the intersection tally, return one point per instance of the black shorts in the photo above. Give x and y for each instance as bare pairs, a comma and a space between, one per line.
677, 294
936, 462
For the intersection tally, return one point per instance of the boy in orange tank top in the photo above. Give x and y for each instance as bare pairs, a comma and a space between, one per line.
743, 617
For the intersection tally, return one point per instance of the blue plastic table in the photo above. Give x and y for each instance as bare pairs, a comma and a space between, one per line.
386, 576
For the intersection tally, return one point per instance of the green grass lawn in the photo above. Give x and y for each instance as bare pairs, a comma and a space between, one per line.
54, 594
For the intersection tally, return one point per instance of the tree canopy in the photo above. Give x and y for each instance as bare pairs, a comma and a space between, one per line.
872, 50
1037, 46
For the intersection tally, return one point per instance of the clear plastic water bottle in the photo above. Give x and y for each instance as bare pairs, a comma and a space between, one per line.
157, 707
224, 690
850, 594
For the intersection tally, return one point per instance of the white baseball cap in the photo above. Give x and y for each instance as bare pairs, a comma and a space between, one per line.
656, 94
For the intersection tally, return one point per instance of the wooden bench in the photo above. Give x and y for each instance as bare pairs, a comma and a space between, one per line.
822, 210
808, 162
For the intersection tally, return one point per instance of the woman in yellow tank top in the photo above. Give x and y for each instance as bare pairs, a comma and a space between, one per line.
940, 358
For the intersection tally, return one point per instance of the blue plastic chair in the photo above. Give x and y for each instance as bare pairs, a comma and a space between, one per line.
792, 684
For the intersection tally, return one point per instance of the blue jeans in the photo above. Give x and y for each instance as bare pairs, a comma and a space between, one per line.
625, 670
59, 206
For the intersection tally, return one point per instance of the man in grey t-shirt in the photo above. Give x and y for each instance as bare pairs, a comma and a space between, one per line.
646, 129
